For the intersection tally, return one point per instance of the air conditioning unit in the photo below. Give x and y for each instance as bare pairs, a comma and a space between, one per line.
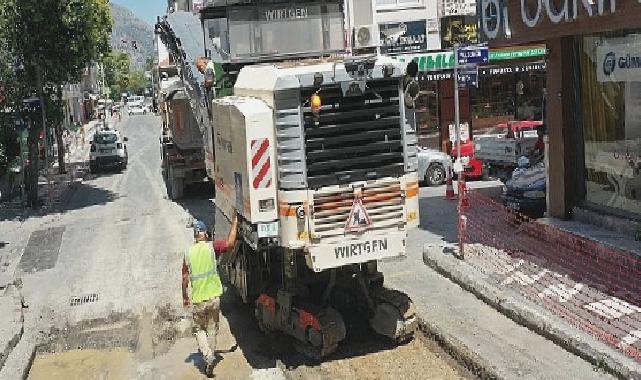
366, 36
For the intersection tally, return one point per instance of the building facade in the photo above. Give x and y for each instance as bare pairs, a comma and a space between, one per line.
593, 76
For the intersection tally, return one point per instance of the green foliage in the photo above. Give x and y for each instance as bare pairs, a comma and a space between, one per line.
54, 38
120, 78
45, 44
60, 37
150, 63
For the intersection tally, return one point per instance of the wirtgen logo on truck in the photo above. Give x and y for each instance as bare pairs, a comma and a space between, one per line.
362, 248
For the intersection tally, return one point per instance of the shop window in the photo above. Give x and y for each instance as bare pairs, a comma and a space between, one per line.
427, 115
610, 96
516, 94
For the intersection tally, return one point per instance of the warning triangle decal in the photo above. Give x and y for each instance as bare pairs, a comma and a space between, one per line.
358, 218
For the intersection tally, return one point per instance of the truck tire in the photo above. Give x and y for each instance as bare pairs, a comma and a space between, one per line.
435, 175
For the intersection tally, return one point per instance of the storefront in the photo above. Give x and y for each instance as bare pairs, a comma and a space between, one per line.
594, 102
509, 88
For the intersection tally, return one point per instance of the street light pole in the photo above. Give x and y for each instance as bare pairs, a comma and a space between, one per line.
457, 115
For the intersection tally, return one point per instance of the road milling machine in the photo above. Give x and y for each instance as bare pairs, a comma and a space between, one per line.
315, 152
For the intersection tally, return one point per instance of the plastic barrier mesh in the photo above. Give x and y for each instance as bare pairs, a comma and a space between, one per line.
592, 286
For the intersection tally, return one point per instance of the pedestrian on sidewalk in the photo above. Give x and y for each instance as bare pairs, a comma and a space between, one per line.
200, 271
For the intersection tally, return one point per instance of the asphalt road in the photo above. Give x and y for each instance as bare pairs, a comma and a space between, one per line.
102, 285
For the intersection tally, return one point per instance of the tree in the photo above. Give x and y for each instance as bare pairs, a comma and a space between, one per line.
117, 65
53, 40
138, 82
120, 78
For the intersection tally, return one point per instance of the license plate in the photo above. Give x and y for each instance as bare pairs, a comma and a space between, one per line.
266, 230
106, 150
513, 206
368, 248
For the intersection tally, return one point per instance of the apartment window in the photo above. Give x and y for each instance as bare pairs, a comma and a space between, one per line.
397, 3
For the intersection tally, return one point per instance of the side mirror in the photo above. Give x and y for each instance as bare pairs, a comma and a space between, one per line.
125, 139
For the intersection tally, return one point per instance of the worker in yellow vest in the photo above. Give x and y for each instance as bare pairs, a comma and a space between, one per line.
201, 273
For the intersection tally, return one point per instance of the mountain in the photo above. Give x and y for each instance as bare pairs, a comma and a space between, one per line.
127, 28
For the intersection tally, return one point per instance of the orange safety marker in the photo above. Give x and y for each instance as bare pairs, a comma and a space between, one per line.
449, 191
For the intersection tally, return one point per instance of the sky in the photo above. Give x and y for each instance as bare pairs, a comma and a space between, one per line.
146, 10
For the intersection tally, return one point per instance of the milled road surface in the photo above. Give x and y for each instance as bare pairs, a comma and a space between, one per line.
104, 293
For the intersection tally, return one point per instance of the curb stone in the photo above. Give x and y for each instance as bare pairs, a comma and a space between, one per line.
20, 360
11, 305
531, 315
459, 351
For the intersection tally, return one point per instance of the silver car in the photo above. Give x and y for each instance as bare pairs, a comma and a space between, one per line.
433, 166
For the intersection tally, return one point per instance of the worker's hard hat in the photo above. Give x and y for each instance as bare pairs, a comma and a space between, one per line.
199, 227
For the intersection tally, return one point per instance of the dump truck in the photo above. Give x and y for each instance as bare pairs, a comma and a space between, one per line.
316, 154
182, 152
181, 140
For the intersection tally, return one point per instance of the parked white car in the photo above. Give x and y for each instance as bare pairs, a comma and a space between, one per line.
136, 109
433, 166
108, 151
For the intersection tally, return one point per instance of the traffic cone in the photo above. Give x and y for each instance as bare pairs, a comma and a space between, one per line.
449, 191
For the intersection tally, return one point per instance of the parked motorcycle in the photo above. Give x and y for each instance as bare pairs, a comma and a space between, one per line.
525, 191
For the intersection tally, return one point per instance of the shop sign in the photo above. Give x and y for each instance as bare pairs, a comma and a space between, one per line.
459, 7
464, 130
551, 17
461, 30
435, 76
484, 71
280, 14
512, 69
504, 55
618, 63
431, 61
473, 55
468, 78
403, 37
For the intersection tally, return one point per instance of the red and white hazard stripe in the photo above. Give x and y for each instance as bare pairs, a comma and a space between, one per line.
261, 163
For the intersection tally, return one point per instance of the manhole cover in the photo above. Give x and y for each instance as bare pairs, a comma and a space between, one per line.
89, 298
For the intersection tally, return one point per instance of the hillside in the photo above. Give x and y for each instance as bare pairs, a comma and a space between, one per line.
127, 27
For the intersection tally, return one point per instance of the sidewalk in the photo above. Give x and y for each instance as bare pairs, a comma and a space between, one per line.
16, 226
581, 293
76, 164
489, 342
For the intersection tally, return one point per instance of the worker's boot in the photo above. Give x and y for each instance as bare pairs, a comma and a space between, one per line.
211, 364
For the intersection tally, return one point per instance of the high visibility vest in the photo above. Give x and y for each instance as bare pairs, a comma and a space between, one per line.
203, 274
